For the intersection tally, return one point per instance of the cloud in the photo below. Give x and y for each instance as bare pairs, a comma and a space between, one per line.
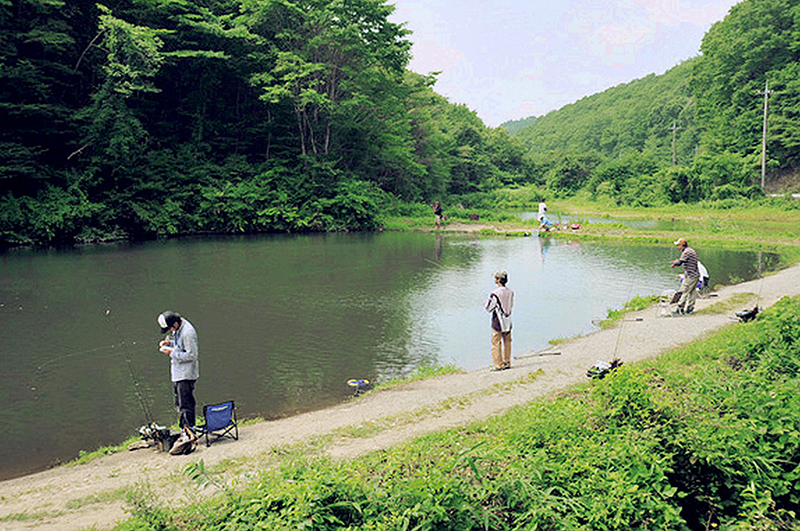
509, 59
611, 31
437, 57
685, 12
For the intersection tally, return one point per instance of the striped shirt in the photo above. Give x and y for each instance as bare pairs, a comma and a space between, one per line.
689, 261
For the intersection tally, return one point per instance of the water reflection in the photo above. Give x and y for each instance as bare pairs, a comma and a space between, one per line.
283, 321
648, 224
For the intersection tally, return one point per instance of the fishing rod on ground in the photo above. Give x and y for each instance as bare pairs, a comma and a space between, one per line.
622, 324
761, 281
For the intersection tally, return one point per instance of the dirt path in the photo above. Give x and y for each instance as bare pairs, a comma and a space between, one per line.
89, 496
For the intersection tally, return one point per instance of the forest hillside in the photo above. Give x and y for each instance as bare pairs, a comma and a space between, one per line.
141, 119
147, 118
693, 133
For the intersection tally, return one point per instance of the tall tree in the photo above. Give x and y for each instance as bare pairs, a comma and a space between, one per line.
330, 60
42, 83
132, 60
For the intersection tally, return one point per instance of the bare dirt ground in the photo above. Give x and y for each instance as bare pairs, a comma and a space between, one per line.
89, 496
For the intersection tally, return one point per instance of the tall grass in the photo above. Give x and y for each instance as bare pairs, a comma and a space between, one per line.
705, 437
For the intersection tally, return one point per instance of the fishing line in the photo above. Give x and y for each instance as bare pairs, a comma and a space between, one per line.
46, 364
622, 324
760, 274
437, 264
137, 387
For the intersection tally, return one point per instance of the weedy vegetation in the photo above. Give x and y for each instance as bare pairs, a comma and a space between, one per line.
705, 437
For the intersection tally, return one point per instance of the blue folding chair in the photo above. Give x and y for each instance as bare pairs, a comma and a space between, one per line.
220, 422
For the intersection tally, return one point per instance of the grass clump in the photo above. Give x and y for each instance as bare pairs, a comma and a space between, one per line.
634, 305
87, 457
421, 372
706, 437
737, 301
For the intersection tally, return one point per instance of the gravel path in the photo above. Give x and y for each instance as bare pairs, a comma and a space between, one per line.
89, 496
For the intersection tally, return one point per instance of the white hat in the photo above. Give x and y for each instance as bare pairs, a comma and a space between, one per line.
167, 319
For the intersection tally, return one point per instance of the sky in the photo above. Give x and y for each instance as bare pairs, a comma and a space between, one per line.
512, 59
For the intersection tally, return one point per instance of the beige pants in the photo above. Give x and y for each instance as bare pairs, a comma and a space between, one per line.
688, 293
501, 357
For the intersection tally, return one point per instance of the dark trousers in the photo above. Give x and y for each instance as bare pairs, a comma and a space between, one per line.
184, 402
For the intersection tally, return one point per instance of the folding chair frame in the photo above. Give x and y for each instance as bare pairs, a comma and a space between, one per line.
224, 431
664, 308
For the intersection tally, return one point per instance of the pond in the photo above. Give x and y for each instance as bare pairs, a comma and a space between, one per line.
283, 321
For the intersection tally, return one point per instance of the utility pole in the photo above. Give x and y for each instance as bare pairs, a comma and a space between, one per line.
674, 154
767, 92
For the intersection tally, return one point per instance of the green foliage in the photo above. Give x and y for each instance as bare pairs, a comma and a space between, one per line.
132, 59
755, 44
354, 207
172, 118
570, 172
198, 473
40, 42
682, 184
628, 180
698, 125
53, 216
242, 117
513, 126
147, 514
636, 116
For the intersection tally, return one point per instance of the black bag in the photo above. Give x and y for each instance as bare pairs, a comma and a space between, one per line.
747, 315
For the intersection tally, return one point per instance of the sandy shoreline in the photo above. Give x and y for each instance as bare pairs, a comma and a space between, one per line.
79, 497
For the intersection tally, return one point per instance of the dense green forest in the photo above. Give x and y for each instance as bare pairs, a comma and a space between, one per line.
693, 133
138, 118
143, 118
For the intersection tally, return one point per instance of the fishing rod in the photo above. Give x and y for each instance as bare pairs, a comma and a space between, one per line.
761, 275
601, 368
137, 387
748, 315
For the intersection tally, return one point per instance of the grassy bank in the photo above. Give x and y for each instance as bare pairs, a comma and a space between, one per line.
705, 437
769, 225
772, 224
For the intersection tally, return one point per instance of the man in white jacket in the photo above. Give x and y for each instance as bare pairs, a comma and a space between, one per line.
500, 304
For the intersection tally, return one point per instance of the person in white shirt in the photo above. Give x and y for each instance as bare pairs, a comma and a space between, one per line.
542, 209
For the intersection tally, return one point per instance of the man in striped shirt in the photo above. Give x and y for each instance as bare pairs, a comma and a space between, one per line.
688, 260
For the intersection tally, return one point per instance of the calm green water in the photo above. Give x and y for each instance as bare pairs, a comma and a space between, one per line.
283, 321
